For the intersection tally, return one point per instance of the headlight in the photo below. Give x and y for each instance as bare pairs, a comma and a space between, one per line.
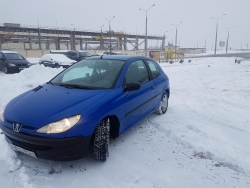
11, 64
1, 114
60, 126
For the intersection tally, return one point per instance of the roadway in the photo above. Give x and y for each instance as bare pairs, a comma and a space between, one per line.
243, 55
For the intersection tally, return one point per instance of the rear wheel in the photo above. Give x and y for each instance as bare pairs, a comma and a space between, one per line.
164, 104
5, 70
101, 140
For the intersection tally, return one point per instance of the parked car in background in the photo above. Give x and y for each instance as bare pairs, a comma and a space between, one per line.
56, 61
93, 100
12, 62
98, 54
113, 53
75, 55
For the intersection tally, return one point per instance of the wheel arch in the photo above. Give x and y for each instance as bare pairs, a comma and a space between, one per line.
114, 126
168, 91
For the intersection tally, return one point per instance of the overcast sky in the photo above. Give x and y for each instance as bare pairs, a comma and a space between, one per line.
195, 14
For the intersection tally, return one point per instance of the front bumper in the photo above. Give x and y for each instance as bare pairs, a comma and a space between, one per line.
16, 68
61, 149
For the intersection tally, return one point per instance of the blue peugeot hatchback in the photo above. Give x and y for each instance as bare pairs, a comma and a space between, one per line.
86, 104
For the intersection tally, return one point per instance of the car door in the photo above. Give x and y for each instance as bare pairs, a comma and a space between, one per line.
158, 80
73, 55
138, 103
69, 55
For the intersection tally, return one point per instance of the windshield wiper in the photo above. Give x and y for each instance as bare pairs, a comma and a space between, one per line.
75, 86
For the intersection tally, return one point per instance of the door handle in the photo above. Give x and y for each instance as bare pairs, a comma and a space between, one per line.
152, 87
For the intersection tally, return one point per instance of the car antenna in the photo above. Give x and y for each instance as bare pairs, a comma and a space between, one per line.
103, 53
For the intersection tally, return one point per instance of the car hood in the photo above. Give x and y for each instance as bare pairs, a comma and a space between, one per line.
48, 103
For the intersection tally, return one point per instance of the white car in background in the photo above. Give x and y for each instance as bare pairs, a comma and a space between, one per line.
56, 61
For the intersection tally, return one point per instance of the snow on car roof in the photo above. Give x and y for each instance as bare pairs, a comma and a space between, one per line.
59, 50
58, 57
9, 51
80, 51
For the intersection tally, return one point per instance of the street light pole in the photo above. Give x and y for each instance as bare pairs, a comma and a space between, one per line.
57, 29
39, 37
164, 41
205, 45
74, 27
101, 42
146, 38
125, 40
109, 32
216, 33
176, 37
73, 42
228, 36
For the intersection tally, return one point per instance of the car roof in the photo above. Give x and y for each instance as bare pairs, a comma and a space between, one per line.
56, 55
117, 57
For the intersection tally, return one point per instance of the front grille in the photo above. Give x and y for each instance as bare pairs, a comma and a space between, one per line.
28, 146
21, 65
23, 126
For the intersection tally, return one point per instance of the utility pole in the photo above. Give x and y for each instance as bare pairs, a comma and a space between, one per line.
216, 33
39, 37
110, 32
228, 28
176, 37
146, 37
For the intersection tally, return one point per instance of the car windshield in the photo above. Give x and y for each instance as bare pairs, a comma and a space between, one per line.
90, 74
84, 54
13, 56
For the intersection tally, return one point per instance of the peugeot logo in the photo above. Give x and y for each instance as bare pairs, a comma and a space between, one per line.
16, 127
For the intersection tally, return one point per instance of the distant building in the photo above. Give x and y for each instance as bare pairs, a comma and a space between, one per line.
192, 50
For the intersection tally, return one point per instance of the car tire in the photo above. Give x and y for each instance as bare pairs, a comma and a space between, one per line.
101, 140
43, 64
163, 105
5, 70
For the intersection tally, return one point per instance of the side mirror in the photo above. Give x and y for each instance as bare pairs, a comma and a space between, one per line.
132, 86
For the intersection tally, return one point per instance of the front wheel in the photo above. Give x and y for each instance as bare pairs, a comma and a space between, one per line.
101, 140
163, 105
57, 66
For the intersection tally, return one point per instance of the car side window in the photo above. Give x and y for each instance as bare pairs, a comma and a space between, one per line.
1, 56
75, 54
137, 72
68, 54
153, 68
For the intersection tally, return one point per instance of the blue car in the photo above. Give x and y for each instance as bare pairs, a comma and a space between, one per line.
86, 104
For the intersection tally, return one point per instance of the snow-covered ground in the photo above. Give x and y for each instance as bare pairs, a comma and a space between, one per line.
201, 142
